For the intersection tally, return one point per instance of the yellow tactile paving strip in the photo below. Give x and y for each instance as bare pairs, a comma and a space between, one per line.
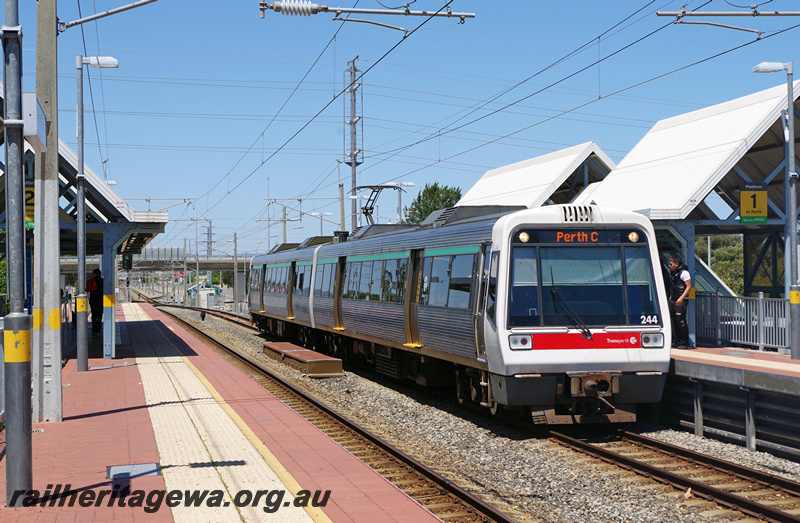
199, 445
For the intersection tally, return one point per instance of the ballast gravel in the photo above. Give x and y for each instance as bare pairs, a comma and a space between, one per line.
532, 479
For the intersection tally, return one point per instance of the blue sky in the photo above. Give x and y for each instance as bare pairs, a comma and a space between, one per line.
212, 102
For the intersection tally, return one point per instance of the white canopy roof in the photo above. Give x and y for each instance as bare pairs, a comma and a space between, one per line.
681, 159
532, 182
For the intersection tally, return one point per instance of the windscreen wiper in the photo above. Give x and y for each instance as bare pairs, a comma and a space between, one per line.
576, 320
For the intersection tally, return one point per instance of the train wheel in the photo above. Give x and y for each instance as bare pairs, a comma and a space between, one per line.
496, 409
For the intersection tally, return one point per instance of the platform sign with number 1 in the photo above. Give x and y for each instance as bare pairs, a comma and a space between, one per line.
753, 203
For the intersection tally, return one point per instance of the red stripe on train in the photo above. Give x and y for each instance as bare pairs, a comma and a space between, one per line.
576, 340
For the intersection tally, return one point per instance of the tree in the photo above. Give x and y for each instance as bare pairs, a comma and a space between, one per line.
432, 198
727, 258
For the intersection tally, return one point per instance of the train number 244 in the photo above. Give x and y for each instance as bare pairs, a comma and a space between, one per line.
647, 320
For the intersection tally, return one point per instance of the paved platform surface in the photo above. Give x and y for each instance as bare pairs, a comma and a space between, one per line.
170, 400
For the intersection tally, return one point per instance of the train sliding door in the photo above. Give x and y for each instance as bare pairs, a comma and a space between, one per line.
290, 284
413, 288
341, 267
479, 312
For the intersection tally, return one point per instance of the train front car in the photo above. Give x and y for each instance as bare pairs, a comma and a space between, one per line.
575, 324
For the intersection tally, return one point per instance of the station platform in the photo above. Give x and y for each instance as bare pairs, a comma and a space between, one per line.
768, 371
170, 431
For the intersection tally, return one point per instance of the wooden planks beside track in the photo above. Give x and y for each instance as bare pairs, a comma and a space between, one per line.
310, 363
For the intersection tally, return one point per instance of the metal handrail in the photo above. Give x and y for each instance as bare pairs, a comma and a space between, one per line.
756, 322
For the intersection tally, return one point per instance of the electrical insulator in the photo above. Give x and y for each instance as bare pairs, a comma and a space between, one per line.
296, 7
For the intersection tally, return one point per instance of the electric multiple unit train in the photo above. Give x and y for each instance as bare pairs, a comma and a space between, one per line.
556, 311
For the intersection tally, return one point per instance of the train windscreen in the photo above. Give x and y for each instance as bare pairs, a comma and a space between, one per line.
593, 285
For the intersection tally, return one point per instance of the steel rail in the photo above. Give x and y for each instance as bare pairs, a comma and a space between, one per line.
786, 485
710, 493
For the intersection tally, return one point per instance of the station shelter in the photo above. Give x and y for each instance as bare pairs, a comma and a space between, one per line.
112, 228
717, 170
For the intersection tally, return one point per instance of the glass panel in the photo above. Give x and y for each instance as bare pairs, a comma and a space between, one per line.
402, 268
460, 281
364, 282
327, 283
491, 291
345, 291
318, 280
389, 286
440, 280
523, 301
588, 279
426, 281
375, 288
641, 293
353, 275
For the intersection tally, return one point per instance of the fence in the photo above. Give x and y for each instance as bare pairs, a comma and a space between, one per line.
757, 322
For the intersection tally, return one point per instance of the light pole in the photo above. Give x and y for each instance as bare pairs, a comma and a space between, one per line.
790, 186
399, 187
320, 215
82, 313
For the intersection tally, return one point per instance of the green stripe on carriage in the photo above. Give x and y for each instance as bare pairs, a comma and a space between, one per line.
466, 249
328, 260
279, 264
305, 263
387, 256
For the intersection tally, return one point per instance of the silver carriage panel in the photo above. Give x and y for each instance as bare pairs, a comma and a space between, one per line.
447, 330
275, 304
323, 312
300, 308
374, 318
253, 301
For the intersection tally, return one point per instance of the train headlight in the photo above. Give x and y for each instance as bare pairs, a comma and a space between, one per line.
652, 340
633, 237
524, 237
520, 342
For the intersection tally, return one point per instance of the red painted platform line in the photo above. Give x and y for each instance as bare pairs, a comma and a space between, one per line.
318, 463
106, 423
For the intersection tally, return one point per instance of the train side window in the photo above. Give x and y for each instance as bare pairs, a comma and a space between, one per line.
346, 280
365, 281
426, 281
523, 304
460, 281
353, 275
402, 270
355, 281
318, 280
299, 280
326, 282
439, 282
389, 284
268, 284
641, 298
375, 286
281, 283
491, 289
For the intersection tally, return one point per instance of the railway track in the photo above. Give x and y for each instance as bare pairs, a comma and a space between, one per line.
754, 493
740, 489
440, 496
